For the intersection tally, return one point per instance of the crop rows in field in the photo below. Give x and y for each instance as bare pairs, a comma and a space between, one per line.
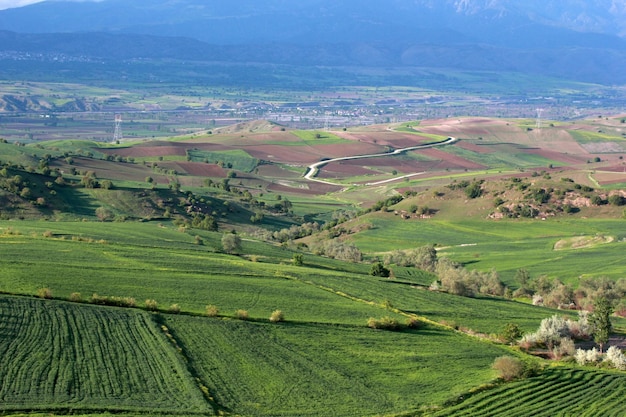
557, 392
60, 356
289, 369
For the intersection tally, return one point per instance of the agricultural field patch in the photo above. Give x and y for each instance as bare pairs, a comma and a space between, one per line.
60, 356
598, 142
505, 245
176, 273
557, 391
504, 157
286, 369
236, 159
316, 138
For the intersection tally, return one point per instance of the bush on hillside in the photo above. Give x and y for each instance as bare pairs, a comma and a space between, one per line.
379, 270
211, 310
151, 304
458, 280
277, 316
508, 367
339, 250
44, 293
385, 323
616, 357
231, 243
241, 314
424, 257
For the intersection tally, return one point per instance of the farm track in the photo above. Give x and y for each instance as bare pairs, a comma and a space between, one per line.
313, 169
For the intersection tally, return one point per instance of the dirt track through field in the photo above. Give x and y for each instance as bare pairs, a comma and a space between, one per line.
313, 169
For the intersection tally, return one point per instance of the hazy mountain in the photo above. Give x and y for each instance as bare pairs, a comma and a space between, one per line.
578, 39
243, 21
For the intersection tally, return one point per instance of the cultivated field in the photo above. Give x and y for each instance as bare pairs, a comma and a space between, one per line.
65, 357
147, 311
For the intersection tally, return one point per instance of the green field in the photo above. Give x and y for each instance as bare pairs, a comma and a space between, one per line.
313, 138
505, 158
584, 136
287, 369
507, 245
238, 159
556, 392
64, 357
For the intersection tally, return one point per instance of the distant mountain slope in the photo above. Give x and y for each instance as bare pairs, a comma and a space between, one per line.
569, 39
311, 21
48, 54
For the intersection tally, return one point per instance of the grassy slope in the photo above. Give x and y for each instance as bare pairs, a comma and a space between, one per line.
288, 369
147, 261
506, 245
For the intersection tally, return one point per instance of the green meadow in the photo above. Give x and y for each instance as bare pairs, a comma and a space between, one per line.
507, 245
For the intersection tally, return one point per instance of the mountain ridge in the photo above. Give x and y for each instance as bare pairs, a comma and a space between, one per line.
536, 37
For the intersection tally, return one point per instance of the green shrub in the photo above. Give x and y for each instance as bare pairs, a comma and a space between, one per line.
241, 314
413, 323
385, 323
44, 293
174, 309
379, 270
298, 259
211, 310
511, 333
151, 304
277, 316
509, 367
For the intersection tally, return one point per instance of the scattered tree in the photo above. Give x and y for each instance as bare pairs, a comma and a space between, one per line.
298, 259
379, 270
601, 321
151, 304
241, 314
511, 333
231, 243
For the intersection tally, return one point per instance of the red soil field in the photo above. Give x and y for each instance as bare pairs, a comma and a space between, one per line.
201, 169
111, 170
473, 147
275, 171
615, 168
607, 178
558, 156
